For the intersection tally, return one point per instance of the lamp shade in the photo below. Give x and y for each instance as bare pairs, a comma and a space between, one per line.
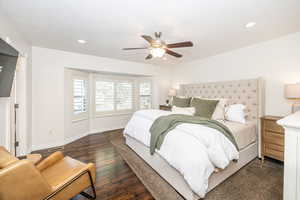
172, 92
292, 91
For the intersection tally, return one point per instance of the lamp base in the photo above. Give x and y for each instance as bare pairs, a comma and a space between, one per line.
167, 102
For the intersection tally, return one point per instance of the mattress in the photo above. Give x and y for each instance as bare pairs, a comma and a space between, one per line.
244, 134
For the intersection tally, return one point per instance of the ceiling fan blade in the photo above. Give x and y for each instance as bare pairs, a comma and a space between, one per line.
172, 53
148, 38
135, 48
180, 44
149, 57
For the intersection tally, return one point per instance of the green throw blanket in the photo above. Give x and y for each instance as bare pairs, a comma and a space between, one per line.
162, 125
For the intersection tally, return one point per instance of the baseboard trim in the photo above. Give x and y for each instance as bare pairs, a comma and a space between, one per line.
46, 146
94, 131
58, 144
69, 139
74, 138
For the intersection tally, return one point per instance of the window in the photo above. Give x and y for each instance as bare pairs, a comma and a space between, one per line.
124, 96
113, 96
107, 95
80, 96
145, 95
104, 96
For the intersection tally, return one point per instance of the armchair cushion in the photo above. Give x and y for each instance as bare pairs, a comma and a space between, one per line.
22, 181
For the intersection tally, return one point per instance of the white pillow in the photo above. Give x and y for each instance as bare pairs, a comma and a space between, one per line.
236, 113
219, 113
183, 110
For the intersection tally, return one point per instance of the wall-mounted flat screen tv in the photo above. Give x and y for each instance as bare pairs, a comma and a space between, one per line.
8, 62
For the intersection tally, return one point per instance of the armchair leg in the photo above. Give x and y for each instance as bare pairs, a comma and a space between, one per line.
86, 195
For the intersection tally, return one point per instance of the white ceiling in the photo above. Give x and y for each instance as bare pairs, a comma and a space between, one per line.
214, 26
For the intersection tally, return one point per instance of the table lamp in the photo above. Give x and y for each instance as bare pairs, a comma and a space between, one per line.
172, 92
292, 92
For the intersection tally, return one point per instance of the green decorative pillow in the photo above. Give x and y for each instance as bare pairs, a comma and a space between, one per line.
181, 102
204, 107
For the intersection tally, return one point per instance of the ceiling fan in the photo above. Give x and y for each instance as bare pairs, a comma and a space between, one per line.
158, 48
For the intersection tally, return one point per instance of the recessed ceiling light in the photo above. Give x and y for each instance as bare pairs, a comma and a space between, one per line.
250, 24
81, 41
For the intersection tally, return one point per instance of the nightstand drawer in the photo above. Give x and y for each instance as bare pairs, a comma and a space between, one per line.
273, 138
273, 126
165, 107
274, 147
274, 154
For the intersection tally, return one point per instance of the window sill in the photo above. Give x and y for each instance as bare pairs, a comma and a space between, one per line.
79, 119
97, 115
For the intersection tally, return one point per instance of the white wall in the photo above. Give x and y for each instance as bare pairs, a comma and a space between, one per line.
48, 91
277, 61
5, 123
23, 82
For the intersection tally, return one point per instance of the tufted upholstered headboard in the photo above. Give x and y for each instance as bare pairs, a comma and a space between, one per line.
248, 92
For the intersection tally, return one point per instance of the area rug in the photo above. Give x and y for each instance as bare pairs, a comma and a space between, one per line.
254, 181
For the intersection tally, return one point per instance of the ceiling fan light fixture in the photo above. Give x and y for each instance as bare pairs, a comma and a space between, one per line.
157, 52
159, 48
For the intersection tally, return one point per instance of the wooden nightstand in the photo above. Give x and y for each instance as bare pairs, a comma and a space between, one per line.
165, 107
272, 138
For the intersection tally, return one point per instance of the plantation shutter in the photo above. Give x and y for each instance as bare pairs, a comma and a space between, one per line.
124, 96
80, 96
104, 96
145, 95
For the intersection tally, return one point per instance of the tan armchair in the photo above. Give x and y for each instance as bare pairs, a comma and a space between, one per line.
57, 177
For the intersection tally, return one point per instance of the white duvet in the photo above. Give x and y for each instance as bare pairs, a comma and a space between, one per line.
194, 150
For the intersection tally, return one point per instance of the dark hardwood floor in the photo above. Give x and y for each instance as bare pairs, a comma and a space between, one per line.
115, 180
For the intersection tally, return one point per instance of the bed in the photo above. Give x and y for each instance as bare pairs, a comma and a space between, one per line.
247, 92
